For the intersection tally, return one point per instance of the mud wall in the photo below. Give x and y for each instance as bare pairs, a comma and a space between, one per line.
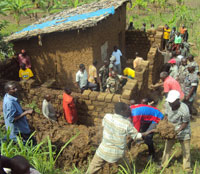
59, 56
137, 41
61, 53
91, 105
145, 43
112, 31
155, 59
9, 69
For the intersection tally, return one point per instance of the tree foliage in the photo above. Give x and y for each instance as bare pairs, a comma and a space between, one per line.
17, 8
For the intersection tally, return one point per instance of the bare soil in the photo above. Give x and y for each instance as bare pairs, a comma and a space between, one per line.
166, 129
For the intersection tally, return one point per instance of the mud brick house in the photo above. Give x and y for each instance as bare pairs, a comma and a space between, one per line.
60, 42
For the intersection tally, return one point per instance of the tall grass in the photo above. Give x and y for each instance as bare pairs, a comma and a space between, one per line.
43, 156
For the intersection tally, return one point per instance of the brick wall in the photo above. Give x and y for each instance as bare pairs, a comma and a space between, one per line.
155, 59
138, 41
145, 43
91, 105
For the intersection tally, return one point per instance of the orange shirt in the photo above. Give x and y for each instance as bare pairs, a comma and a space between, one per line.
69, 109
182, 30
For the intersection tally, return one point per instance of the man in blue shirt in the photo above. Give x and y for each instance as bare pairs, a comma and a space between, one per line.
145, 118
14, 116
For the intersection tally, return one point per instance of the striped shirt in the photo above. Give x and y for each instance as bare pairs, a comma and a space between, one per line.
115, 130
145, 113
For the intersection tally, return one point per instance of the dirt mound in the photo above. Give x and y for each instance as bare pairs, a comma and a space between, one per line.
166, 129
78, 151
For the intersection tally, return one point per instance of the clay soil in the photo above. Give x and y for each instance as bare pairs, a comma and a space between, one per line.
166, 129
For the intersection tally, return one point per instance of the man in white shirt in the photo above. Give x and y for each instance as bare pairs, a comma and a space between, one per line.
116, 128
82, 79
48, 109
118, 54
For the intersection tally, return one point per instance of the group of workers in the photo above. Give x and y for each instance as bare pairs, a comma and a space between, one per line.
144, 118
179, 82
180, 70
109, 77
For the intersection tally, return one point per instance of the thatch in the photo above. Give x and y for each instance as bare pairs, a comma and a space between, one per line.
71, 25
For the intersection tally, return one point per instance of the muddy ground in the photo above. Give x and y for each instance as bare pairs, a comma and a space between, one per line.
82, 149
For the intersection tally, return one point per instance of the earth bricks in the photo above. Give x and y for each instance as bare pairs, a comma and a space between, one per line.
116, 98
90, 107
88, 102
93, 95
126, 94
86, 94
99, 104
101, 96
130, 85
110, 105
109, 97
126, 101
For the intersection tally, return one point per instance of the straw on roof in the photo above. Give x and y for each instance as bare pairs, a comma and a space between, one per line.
87, 15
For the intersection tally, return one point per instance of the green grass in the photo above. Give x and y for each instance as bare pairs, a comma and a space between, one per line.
43, 156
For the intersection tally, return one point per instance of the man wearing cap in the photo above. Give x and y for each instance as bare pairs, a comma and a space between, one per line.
178, 114
173, 71
169, 83
190, 86
118, 54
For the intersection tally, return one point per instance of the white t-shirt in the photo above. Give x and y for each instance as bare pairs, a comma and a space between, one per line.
117, 55
82, 78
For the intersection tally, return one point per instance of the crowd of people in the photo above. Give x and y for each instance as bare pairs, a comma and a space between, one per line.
139, 122
180, 71
178, 81
108, 78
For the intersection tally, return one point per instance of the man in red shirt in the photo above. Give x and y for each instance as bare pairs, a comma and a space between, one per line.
169, 83
69, 107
